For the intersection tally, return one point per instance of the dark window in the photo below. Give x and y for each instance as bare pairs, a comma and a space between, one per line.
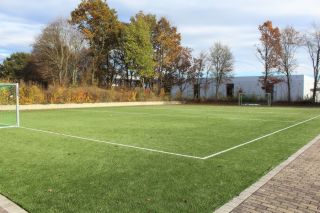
230, 90
196, 91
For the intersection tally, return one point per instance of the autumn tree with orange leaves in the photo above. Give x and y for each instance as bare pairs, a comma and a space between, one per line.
184, 72
269, 51
102, 29
167, 46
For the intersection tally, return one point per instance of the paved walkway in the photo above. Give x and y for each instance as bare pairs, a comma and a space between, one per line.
2, 210
90, 105
294, 186
7, 206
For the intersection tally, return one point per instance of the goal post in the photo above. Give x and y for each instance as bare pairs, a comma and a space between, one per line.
255, 100
9, 105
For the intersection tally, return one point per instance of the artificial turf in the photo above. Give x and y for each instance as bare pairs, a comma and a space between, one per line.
53, 173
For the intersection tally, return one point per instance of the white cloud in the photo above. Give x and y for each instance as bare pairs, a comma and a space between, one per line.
201, 22
226, 34
16, 33
270, 7
3, 55
235, 23
279, 7
37, 11
21, 21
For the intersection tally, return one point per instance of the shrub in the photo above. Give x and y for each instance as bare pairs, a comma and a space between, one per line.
33, 94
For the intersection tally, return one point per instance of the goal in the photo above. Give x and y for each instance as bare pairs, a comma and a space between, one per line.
9, 105
255, 100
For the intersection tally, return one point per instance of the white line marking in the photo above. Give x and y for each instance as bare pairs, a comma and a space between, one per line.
214, 116
4, 126
171, 153
257, 139
111, 143
178, 108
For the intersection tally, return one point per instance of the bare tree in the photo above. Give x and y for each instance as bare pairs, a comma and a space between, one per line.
290, 41
50, 52
183, 67
199, 71
221, 61
77, 47
312, 42
59, 48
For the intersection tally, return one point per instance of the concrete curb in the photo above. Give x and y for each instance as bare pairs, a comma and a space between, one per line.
235, 202
89, 105
7, 206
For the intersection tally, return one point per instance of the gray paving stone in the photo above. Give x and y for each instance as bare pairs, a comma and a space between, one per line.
293, 186
7, 206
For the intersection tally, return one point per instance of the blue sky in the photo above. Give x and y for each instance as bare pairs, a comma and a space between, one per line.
201, 23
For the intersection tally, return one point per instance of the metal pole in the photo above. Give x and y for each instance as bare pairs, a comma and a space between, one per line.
240, 99
17, 106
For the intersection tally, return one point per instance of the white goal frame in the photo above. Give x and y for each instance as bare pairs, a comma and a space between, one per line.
17, 108
267, 95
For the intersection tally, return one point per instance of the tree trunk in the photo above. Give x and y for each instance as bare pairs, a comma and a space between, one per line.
266, 78
74, 77
60, 78
130, 82
217, 91
127, 79
92, 77
314, 94
289, 87
316, 77
93, 72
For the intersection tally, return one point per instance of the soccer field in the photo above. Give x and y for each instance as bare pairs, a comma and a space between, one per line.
186, 158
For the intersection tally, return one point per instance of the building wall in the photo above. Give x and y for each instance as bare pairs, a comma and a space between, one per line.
300, 88
297, 89
308, 87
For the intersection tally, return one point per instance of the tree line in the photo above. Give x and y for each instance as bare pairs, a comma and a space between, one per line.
93, 47
277, 53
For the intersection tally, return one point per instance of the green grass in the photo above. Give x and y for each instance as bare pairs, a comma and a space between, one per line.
50, 173
7, 118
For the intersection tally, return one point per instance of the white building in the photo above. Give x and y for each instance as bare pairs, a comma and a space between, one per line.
301, 88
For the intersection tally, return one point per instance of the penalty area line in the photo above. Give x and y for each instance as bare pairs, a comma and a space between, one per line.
257, 139
169, 153
110, 143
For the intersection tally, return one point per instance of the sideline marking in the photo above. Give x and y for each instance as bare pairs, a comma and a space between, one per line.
172, 153
257, 139
111, 143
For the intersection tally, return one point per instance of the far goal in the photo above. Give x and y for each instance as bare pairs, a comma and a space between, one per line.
9, 105
255, 100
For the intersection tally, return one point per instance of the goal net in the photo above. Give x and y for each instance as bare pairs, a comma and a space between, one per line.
254, 100
9, 105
